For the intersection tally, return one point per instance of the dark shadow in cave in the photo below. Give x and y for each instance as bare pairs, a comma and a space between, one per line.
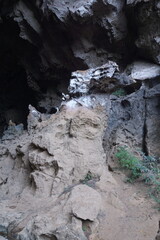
16, 92
15, 95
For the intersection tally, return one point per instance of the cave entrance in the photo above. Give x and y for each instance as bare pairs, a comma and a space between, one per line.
15, 94
18, 87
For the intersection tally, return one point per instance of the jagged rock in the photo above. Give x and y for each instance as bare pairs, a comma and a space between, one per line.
48, 54
85, 202
41, 194
103, 79
50, 159
13, 131
34, 117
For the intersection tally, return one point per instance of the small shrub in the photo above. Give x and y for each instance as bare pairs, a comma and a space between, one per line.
89, 176
146, 167
130, 162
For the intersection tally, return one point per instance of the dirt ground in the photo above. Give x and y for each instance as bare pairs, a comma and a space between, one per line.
130, 215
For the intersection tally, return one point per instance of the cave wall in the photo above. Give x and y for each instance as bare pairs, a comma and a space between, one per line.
71, 35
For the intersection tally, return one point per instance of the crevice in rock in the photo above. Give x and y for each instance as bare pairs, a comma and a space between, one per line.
133, 88
86, 227
48, 237
145, 130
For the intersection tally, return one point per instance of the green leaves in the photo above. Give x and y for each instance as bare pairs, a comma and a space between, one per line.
145, 167
129, 162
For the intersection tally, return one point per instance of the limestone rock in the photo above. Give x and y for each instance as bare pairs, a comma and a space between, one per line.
105, 78
85, 202
71, 231
13, 131
144, 71
34, 117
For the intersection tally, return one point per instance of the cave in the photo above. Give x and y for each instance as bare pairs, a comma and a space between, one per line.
15, 95
19, 86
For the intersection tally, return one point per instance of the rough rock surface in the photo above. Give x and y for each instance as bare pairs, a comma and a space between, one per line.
158, 235
105, 78
45, 170
130, 115
85, 202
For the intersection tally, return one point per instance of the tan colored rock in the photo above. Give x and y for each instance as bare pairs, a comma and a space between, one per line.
85, 202
65, 148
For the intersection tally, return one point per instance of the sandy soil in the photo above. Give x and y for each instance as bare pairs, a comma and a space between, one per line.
131, 214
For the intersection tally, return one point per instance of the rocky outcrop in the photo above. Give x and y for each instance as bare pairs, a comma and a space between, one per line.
105, 78
132, 105
47, 171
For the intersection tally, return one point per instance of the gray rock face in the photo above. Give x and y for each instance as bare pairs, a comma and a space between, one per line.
146, 19
66, 36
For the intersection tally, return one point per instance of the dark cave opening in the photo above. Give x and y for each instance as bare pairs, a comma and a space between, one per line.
15, 94
18, 86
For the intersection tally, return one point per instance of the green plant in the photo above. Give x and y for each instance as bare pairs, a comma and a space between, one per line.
128, 161
89, 176
145, 167
119, 92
